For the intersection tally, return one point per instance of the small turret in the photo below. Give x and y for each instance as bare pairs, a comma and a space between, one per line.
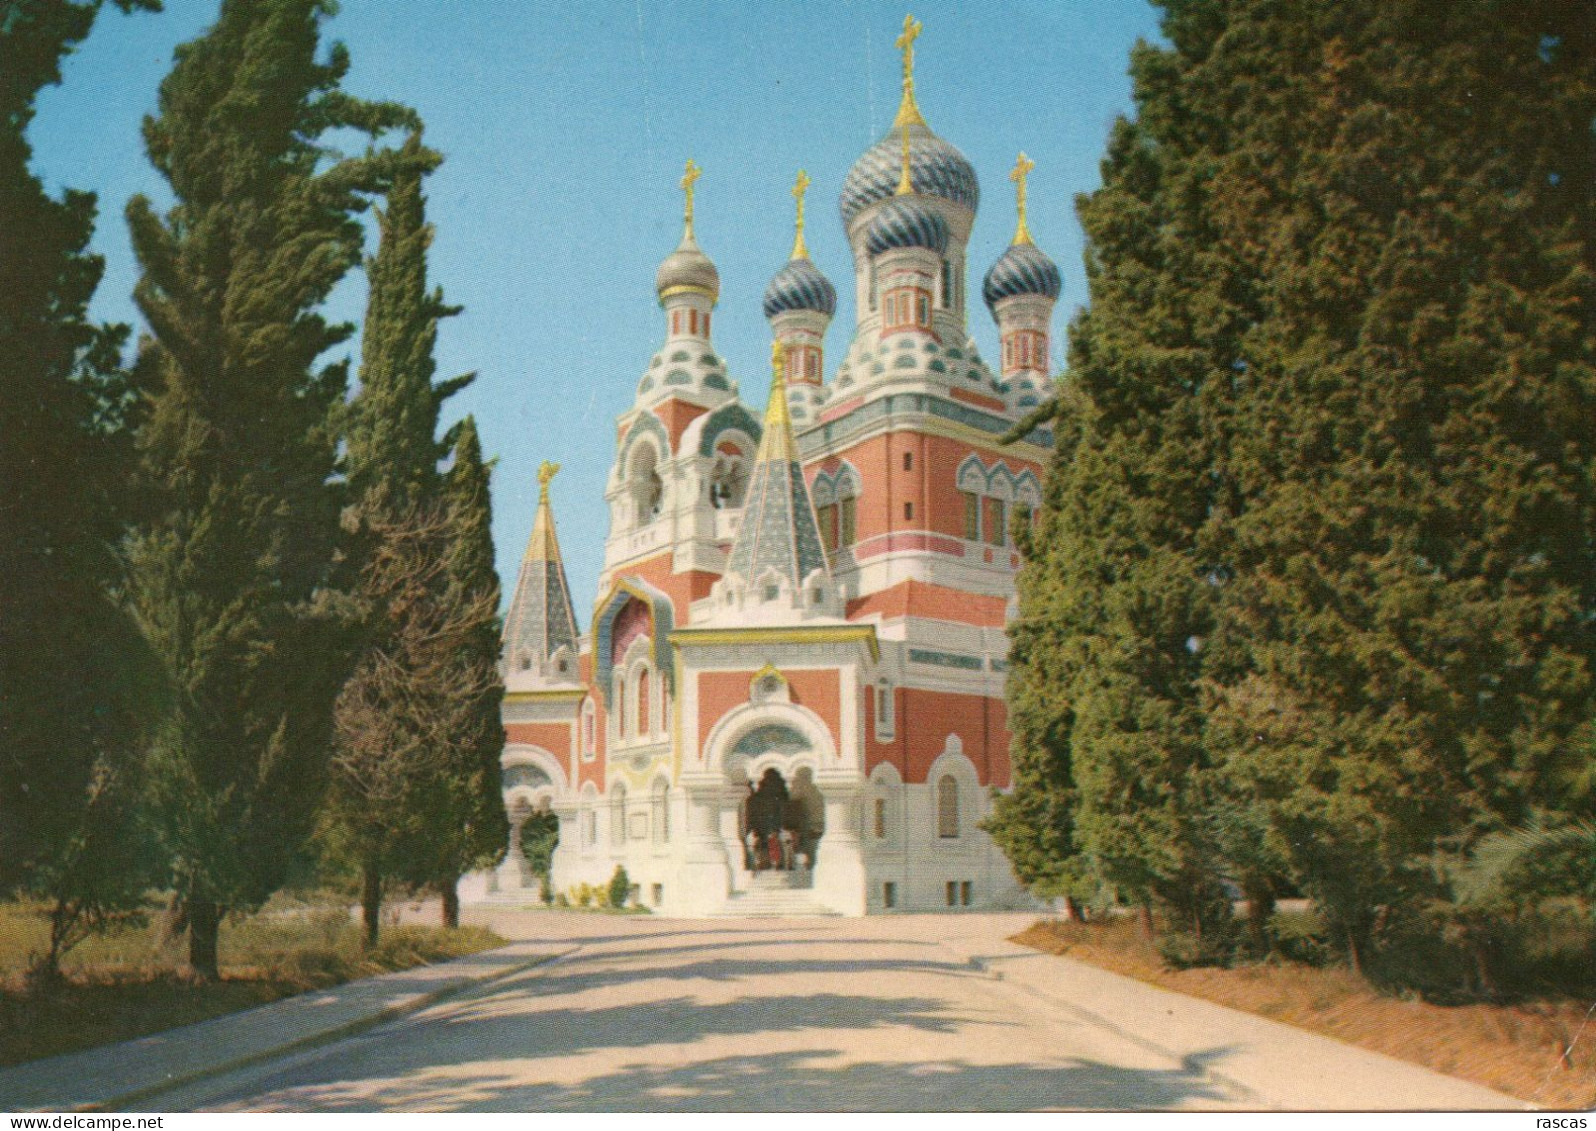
1020, 291
800, 302
777, 569
540, 638
687, 282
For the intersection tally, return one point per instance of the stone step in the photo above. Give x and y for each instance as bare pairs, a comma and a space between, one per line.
774, 903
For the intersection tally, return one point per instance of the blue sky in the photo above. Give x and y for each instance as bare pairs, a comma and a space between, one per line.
565, 127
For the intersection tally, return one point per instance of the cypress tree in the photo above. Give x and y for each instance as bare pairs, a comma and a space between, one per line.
395, 804
74, 680
469, 828
1416, 559
1116, 598
1327, 435
231, 579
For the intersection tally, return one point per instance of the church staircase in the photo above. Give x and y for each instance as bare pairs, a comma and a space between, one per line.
775, 895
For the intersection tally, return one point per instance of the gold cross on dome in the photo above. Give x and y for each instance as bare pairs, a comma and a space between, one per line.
689, 178
905, 43
801, 186
908, 113
1022, 169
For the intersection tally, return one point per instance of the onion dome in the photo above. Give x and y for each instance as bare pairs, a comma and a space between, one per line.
687, 268
1024, 269
936, 168
904, 222
800, 286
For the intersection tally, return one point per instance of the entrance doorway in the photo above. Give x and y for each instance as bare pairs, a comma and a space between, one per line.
780, 824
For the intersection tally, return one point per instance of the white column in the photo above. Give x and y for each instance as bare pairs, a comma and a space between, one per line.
705, 872
839, 867
563, 864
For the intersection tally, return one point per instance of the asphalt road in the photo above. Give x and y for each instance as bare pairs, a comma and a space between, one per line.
902, 1013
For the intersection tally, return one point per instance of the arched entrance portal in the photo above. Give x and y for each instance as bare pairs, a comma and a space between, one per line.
781, 820
534, 827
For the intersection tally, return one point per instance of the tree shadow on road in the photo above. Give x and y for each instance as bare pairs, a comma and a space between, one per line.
816, 1080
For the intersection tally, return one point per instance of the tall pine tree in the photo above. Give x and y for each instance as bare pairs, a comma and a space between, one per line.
230, 580
74, 681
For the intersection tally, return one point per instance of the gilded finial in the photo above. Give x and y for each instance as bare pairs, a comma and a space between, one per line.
546, 474
1022, 168
908, 112
778, 424
801, 186
905, 184
688, 179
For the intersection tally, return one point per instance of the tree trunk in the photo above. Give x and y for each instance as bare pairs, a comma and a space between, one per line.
371, 900
1074, 910
1354, 953
204, 924
450, 890
1144, 917
1260, 906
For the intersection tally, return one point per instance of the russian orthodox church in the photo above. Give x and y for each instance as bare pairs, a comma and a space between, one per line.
789, 698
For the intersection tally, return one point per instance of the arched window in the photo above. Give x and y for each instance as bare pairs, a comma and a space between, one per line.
997, 522
589, 730
642, 703
886, 722
619, 699
948, 807
728, 480
618, 814
648, 490
659, 802
837, 509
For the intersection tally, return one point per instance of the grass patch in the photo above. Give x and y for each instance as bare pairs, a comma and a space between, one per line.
1516, 1049
131, 982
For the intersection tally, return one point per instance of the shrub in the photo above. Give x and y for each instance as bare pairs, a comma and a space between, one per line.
620, 887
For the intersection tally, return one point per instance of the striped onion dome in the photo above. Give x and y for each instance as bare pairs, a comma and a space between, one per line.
935, 169
1024, 269
905, 222
800, 286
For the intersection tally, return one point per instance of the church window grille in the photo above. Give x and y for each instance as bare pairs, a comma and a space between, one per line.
908, 461
948, 807
847, 527
881, 818
889, 895
589, 730
908, 512
922, 309
947, 283
966, 893
620, 706
706, 324
642, 703
692, 321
